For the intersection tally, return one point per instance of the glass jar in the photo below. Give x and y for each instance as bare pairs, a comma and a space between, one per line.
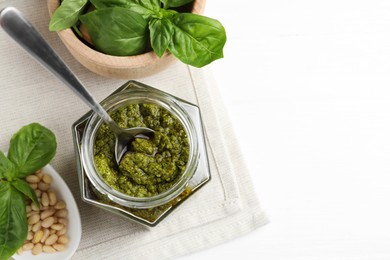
146, 210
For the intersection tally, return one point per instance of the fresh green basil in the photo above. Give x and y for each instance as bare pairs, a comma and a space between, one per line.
126, 27
23, 187
110, 3
7, 168
31, 148
146, 8
197, 40
175, 3
116, 30
67, 14
164, 13
161, 31
13, 221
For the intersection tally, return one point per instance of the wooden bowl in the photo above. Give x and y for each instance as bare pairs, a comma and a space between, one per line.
120, 67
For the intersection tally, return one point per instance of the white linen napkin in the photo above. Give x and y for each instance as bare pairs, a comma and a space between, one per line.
223, 209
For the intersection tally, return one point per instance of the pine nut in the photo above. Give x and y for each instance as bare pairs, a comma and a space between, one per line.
47, 222
43, 186
48, 249
34, 207
57, 226
39, 175
28, 209
51, 239
32, 179
62, 231
38, 193
36, 227
33, 219
28, 246
59, 247
37, 237
45, 199
60, 205
46, 233
47, 213
30, 235
29, 214
62, 213
63, 221
47, 179
63, 240
52, 198
37, 249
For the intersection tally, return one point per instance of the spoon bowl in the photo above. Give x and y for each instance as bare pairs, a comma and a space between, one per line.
24, 33
126, 136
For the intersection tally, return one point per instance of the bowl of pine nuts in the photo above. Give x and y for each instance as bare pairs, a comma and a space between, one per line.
55, 227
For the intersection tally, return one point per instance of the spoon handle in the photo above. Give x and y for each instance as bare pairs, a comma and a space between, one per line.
24, 33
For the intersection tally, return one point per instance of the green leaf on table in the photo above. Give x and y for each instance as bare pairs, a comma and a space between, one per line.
23, 187
161, 31
67, 14
197, 40
7, 168
116, 30
13, 220
31, 148
175, 3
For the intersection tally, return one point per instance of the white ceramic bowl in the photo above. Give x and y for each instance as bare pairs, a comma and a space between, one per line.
74, 226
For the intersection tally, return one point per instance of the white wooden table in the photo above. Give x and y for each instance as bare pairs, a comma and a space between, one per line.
312, 81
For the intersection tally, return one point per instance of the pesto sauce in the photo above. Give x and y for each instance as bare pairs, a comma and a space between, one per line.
153, 165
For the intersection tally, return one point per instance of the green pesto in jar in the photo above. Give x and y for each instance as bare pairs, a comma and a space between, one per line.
153, 165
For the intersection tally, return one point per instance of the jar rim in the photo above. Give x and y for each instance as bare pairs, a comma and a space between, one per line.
137, 95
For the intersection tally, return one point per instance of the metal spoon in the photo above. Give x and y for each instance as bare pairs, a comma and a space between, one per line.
23, 32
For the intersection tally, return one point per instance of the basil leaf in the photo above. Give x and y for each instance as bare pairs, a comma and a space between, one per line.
7, 168
31, 148
13, 220
67, 14
110, 3
197, 40
24, 188
163, 13
161, 31
175, 3
116, 31
146, 8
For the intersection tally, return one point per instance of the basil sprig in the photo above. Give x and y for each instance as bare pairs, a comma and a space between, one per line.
31, 148
124, 27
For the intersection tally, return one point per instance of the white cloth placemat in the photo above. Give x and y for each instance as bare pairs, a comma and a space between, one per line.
223, 209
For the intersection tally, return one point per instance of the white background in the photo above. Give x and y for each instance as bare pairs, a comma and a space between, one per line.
307, 87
